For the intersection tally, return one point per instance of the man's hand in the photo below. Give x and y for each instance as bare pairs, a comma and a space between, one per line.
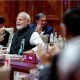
53, 49
46, 56
38, 28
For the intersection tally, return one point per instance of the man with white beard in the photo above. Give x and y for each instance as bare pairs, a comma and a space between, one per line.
31, 38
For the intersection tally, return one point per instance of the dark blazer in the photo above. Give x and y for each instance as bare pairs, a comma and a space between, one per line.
19, 35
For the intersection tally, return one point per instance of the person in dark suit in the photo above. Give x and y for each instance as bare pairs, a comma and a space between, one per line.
25, 38
4, 35
41, 25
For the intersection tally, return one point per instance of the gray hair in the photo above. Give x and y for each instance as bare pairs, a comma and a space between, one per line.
25, 15
38, 16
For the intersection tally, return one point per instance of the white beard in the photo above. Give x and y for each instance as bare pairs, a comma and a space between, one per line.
19, 27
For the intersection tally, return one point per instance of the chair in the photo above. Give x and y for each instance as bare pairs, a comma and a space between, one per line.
44, 38
10, 30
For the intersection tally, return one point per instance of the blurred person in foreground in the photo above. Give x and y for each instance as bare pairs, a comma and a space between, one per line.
4, 35
41, 25
31, 38
48, 60
68, 64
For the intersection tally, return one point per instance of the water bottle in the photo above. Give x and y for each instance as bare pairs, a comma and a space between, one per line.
21, 47
51, 38
55, 38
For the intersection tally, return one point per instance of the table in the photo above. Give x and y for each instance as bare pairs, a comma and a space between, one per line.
20, 66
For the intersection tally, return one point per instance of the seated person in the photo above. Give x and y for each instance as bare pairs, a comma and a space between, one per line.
24, 35
41, 25
4, 35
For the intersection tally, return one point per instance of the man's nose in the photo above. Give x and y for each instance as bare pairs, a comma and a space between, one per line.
17, 21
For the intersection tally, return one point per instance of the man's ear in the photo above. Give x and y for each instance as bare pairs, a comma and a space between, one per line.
28, 21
